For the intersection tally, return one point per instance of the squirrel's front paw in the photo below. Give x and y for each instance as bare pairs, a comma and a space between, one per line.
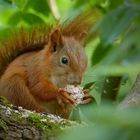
65, 97
87, 97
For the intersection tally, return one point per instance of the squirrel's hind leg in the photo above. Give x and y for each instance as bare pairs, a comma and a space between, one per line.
17, 93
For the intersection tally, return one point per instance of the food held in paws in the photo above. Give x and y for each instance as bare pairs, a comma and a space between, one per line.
76, 92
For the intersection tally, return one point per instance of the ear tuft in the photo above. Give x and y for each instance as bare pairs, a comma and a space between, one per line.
56, 37
55, 40
82, 37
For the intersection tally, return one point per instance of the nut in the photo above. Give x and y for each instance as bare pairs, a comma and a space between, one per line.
76, 92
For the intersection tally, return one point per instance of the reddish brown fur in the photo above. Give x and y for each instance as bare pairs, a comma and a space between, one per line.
31, 69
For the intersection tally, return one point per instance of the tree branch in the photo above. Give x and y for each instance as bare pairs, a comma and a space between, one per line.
18, 123
54, 9
133, 98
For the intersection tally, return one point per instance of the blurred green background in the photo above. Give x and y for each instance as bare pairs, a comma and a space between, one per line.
113, 54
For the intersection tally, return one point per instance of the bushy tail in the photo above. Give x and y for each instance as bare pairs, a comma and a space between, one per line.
21, 42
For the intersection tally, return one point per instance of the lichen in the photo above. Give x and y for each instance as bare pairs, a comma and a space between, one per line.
44, 122
50, 124
4, 101
3, 124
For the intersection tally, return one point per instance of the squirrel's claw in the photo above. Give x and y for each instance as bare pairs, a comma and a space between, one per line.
87, 97
66, 97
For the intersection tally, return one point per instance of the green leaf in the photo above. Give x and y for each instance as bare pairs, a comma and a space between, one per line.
29, 18
107, 123
37, 5
92, 3
115, 3
116, 22
20, 3
132, 2
99, 53
89, 85
131, 47
128, 52
32, 19
95, 72
5, 2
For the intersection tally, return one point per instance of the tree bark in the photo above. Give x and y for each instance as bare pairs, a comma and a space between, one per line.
133, 98
17, 123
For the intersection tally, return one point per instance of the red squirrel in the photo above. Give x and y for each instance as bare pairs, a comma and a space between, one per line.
34, 67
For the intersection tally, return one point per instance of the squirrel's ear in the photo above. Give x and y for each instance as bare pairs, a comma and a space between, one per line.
56, 41
82, 37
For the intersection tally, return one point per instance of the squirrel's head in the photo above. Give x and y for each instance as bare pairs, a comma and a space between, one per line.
66, 59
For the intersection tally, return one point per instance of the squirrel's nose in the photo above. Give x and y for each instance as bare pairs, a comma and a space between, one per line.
75, 83
76, 80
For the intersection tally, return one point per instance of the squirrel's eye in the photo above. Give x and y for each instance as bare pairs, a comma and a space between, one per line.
64, 60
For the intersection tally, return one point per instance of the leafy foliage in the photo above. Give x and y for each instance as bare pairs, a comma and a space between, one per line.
115, 51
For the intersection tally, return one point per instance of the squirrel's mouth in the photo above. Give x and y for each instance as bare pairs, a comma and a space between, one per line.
59, 82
